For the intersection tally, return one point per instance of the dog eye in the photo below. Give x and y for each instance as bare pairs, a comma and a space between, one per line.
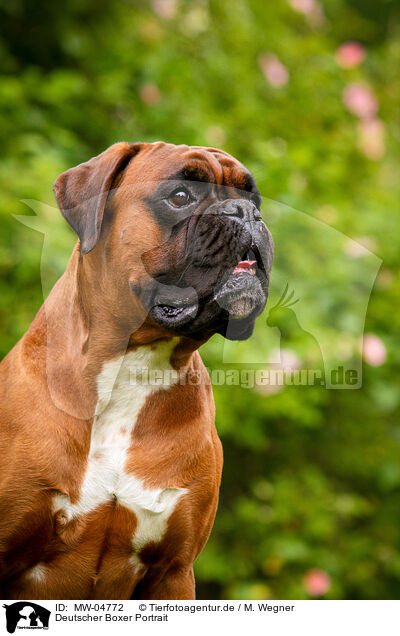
179, 198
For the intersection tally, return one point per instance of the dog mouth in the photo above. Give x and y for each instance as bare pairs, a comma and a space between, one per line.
248, 265
173, 305
243, 293
239, 296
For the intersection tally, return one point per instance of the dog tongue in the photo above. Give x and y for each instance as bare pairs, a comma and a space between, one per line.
243, 266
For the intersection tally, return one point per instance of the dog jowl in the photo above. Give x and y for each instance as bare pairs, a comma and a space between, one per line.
114, 486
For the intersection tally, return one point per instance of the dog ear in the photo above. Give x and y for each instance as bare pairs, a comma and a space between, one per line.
82, 192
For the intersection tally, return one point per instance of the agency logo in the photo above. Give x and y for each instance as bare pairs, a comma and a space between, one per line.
26, 615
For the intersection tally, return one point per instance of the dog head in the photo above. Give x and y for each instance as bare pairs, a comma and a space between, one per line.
173, 234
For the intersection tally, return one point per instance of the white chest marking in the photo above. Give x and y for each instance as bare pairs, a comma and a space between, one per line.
121, 395
37, 573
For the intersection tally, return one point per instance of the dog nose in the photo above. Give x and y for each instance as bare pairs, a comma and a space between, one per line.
241, 209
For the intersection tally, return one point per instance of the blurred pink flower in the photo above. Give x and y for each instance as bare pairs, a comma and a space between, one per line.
289, 359
311, 9
359, 246
350, 54
285, 358
303, 6
360, 100
274, 71
149, 94
373, 350
316, 582
164, 8
371, 138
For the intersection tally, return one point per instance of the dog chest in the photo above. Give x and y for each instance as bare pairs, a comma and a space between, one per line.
123, 388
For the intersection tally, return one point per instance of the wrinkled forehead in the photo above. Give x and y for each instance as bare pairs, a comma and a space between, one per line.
161, 161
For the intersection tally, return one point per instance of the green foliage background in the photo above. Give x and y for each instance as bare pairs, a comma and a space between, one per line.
311, 476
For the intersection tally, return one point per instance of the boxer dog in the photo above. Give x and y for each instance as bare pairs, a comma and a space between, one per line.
110, 462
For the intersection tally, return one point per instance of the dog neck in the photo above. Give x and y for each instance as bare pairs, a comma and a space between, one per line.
83, 333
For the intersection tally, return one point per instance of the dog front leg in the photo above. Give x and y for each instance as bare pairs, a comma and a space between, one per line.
178, 585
